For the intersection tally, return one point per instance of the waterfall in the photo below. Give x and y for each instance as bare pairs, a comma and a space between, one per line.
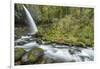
32, 24
52, 52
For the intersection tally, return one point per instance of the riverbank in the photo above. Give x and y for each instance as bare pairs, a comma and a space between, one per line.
59, 38
29, 50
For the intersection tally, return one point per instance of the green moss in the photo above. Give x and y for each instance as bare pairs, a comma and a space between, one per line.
19, 52
34, 54
31, 58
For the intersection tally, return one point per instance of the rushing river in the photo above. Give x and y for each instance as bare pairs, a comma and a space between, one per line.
56, 52
52, 52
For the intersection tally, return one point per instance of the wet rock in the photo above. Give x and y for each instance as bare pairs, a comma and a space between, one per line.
49, 60
32, 56
19, 52
39, 41
41, 61
74, 50
31, 45
71, 51
20, 42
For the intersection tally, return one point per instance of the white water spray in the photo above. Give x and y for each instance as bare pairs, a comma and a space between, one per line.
32, 24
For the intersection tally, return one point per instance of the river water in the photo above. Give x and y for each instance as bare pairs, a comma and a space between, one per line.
56, 52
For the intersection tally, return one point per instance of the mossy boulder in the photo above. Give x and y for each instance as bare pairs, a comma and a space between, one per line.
33, 56
19, 52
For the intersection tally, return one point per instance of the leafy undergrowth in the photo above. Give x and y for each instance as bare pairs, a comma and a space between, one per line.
69, 30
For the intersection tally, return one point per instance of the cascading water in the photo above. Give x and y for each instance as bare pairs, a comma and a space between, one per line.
32, 24
56, 52
53, 52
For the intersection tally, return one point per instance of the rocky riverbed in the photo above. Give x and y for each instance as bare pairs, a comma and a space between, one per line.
29, 50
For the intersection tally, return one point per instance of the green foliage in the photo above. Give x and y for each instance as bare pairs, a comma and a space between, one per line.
75, 28
67, 25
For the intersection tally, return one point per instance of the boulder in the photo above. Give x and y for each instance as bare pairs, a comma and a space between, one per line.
19, 52
32, 56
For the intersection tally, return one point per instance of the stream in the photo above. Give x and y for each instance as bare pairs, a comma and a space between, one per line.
55, 52
31, 50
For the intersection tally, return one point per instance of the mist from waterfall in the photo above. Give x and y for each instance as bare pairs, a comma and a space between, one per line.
33, 28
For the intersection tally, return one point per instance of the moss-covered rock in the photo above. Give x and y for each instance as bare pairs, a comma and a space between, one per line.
19, 52
33, 56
